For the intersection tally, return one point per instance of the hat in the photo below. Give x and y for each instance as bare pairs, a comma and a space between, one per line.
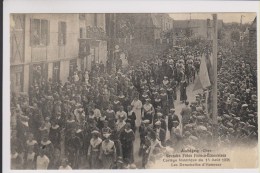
226, 116
95, 132
244, 105
80, 109
187, 133
230, 124
47, 118
132, 166
158, 123
146, 121
193, 138
251, 115
201, 117
237, 118
199, 109
172, 109
159, 114
175, 122
202, 128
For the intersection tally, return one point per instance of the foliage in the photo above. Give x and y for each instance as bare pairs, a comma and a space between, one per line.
235, 35
125, 24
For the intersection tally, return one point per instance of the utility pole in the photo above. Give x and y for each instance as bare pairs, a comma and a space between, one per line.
215, 54
241, 21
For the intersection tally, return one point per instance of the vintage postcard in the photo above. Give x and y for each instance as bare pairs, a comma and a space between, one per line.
133, 90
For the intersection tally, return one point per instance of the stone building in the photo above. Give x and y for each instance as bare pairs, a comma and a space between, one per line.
42, 46
92, 40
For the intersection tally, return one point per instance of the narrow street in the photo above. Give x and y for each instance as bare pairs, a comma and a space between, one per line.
178, 107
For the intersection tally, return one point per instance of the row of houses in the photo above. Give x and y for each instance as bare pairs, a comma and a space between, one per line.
52, 46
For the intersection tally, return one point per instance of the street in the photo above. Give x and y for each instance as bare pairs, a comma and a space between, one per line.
178, 107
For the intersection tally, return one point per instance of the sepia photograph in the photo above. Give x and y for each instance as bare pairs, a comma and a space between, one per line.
133, 90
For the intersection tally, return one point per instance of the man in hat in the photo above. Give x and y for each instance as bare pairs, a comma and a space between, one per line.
160, 118
172, 117
160, 133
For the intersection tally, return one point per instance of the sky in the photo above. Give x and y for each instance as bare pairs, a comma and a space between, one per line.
226, 17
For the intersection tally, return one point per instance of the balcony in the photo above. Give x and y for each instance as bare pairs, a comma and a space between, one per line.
95, 33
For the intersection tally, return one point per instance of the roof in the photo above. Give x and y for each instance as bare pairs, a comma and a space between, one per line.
147, 20
194, 23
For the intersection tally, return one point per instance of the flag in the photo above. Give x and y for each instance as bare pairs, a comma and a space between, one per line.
209, 63
202, 80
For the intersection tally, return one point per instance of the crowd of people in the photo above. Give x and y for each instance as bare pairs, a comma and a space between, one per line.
96, 115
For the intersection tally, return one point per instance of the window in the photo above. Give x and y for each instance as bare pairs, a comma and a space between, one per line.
18, 78
62, 33
81, 33
39, 32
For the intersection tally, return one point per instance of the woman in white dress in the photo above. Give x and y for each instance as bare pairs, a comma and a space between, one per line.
137, 108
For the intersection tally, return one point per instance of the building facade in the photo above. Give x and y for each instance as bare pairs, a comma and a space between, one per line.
42, 46
52, 46
195, 28
252, 44
92, 40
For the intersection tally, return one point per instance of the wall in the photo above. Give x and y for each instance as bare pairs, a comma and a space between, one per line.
53, 52
70, 50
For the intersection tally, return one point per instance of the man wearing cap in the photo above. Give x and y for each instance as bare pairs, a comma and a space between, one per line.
160, 133
159, 117
172, 117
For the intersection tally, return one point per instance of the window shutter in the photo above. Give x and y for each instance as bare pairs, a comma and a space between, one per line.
65, 33
31, 32
59, 33
48, 32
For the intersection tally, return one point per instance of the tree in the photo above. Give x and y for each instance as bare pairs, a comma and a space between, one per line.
125, 24
235, 35
221, 34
